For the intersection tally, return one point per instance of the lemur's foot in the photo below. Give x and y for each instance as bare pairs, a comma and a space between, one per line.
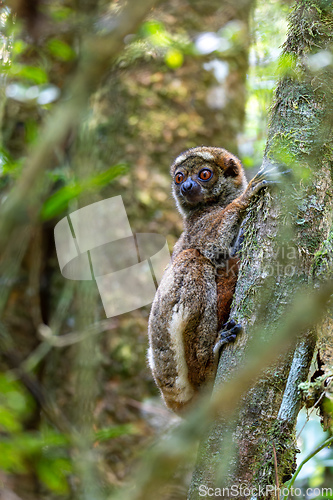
228, 334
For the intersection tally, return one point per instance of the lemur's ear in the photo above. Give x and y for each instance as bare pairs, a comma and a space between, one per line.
232, 169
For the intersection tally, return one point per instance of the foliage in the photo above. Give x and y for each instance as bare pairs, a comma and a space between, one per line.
20, 450
58, 202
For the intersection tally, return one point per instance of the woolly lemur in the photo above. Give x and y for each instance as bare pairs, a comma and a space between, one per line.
194, 297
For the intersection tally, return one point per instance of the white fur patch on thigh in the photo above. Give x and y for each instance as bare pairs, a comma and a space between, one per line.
150, 358
176, 328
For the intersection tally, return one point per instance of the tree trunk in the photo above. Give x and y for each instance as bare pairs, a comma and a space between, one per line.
287, 234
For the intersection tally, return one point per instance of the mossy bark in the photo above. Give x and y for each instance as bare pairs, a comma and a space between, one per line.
286, 232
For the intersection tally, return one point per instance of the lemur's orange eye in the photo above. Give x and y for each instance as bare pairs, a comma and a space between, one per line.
205, 174
179, 178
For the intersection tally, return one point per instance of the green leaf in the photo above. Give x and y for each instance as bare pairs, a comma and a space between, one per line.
156, 33
32, 73
60, 13
8, 420
106, 177
10, 458
59, 201
61, 50
5, 160
19, 46
15, 403
152, 27
53, 473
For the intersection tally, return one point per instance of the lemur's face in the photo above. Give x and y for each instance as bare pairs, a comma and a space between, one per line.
205, 176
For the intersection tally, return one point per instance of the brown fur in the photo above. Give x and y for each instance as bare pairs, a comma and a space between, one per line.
195, 294
226, 280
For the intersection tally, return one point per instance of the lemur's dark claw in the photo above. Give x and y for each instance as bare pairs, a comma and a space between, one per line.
228, 334
228, 325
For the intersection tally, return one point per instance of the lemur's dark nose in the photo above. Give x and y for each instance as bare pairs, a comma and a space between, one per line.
187, 186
